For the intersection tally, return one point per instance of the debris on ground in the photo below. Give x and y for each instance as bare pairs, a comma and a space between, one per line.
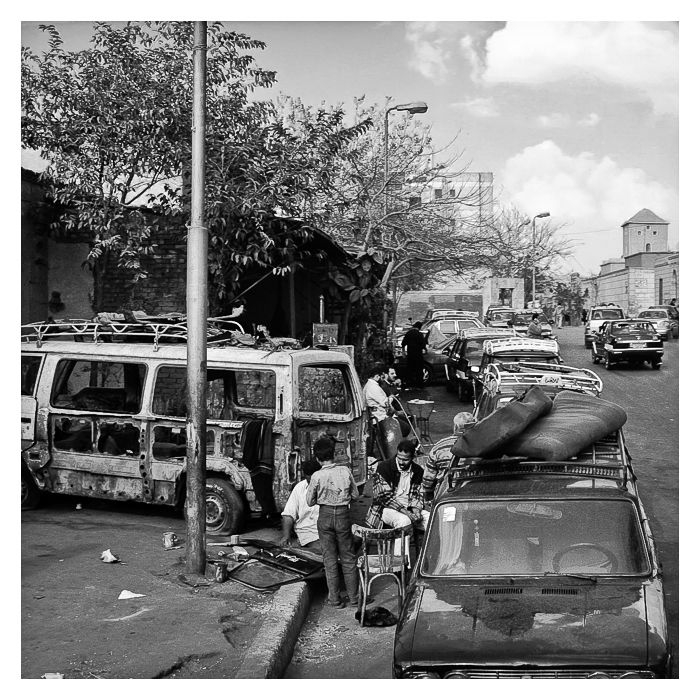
125, 595
110, 558
52, 675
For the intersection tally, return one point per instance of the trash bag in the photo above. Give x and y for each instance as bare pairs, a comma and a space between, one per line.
489, 435
377, 617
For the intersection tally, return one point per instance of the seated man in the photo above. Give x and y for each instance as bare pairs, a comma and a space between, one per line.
397, 497
440, 456
301, 517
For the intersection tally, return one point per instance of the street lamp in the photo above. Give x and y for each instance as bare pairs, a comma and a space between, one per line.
411, 108
542, 215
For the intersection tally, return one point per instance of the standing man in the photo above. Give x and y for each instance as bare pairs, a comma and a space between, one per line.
333, 487
375, 396
559, 315
534, 330
397, 497
414, 344
299, 516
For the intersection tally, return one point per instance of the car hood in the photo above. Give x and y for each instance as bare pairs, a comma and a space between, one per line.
545, 623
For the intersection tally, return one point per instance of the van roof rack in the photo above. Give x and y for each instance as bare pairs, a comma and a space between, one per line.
607, 458
520, 374
220, 330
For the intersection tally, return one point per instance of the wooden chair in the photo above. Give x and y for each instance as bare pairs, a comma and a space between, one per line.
383, 562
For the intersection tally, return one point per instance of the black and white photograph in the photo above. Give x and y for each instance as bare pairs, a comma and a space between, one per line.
350, 344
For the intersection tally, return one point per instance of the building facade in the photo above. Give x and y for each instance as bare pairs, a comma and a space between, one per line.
647, 272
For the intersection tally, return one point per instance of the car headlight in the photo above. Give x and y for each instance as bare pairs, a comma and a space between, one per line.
457, 674
422, 674
663, 324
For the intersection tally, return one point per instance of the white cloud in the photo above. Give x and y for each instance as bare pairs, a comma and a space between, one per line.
630, 55
582, 186
591, 119
556, 120
430, 50
482, 107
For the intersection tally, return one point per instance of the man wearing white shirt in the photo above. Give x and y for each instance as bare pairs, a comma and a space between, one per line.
375, 396
299, 516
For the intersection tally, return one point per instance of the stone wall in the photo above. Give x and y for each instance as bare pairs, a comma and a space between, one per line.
666, 280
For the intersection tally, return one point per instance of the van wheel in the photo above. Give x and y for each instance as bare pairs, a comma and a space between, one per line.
30, 493
223, 506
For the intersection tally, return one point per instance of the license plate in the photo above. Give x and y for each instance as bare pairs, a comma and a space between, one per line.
638, 344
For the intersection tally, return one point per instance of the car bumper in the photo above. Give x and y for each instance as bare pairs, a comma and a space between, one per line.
637, 353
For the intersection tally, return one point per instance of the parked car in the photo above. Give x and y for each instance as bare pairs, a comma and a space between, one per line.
536, 570
465, 354
449, 327
632, 340
596, 317
663, 320
434, 314
108, 419
510, 351
504, 382
499, 316
522, 318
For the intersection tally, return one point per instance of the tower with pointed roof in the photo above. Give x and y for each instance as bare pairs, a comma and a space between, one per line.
645, 232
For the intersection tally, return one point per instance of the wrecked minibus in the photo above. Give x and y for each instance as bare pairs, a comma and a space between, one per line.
103, 415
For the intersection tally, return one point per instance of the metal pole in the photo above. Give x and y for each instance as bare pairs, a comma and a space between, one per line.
534, 218
386, 161
195, 549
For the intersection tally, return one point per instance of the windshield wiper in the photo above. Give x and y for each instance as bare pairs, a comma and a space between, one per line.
583, 577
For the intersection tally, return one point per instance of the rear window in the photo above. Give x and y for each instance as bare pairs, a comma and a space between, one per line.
325, 389
98, 386
230, 392
601, 314
30, 371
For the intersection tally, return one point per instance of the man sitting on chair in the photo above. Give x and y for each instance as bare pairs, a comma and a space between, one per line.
397, 497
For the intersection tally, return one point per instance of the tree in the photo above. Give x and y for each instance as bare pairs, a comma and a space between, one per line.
113, 122
510, 248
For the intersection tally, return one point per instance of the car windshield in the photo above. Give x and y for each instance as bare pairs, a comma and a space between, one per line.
631, 328
653, 314
600, 314
534, 537
501, 315
520, 319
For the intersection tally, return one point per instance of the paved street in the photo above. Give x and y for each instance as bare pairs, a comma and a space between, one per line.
332, 645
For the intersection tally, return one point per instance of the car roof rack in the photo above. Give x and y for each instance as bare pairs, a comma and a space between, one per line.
220, 330
519, 343
501, 375
488, 333
607, 458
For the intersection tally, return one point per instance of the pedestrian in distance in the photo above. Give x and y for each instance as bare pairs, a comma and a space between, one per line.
414, 344
298, 516
332, 488
534, 330
559, 315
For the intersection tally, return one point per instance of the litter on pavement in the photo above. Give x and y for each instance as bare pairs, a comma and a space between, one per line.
128, 594
110, 558
52, 675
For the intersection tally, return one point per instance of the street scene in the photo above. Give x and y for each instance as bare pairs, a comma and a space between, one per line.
324, 381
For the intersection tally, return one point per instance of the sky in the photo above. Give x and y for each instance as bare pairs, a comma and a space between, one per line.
575, 118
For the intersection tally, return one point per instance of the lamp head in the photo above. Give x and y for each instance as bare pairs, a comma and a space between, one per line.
413, 107
543, 215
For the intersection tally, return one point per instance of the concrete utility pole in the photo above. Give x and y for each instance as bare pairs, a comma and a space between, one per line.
197, 303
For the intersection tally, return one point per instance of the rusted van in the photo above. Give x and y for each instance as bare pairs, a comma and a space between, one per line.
105, 417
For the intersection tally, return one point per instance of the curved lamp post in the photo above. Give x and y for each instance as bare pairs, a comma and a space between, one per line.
411, 108
542, 215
